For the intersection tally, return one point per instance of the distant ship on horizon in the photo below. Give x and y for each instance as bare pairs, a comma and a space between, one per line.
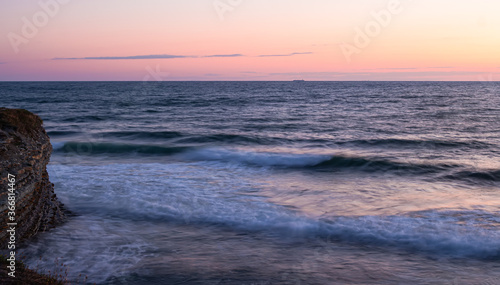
298, 80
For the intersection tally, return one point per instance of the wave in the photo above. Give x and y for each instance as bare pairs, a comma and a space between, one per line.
182, 193
393, 142
327, 163
456, 233
227, 138
375, 165
62, 133
315, 162
89, 148
256, 158
141, 135
181, 137
470, 175
85, 119
434, 232
193, 153
253, 139
310, 161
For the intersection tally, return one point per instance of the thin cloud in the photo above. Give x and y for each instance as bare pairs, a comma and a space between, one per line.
410, 68
288, 54
169, 56
150, 56
224, 55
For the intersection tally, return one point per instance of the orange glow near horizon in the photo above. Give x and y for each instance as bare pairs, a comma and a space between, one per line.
250, 40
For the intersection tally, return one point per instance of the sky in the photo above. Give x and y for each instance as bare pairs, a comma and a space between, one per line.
169, 40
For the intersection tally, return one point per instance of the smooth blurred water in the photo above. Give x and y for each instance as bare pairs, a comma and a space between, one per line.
272, 182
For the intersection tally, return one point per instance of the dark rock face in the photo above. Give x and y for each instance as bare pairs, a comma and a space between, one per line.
24, 152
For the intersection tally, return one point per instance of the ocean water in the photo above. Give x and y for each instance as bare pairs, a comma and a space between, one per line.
271, 182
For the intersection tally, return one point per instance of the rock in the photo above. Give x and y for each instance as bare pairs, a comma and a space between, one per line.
25, 151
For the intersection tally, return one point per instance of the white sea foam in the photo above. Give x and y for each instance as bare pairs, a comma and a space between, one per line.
215, 193
57, 145
256, 158
89, 246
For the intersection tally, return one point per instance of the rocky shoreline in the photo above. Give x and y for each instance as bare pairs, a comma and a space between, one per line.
28, 204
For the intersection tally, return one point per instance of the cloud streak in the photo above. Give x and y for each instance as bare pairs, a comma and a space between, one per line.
150, 56
224, 55
411, 68
288, 54
170, 56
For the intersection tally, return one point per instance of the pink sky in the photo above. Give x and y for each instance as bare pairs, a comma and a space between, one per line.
250, 40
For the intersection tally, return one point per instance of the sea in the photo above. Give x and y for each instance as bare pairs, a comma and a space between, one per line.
270, 182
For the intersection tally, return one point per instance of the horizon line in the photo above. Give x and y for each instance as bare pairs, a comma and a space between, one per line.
291, 80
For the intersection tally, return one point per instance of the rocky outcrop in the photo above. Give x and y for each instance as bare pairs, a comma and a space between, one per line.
24, 153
